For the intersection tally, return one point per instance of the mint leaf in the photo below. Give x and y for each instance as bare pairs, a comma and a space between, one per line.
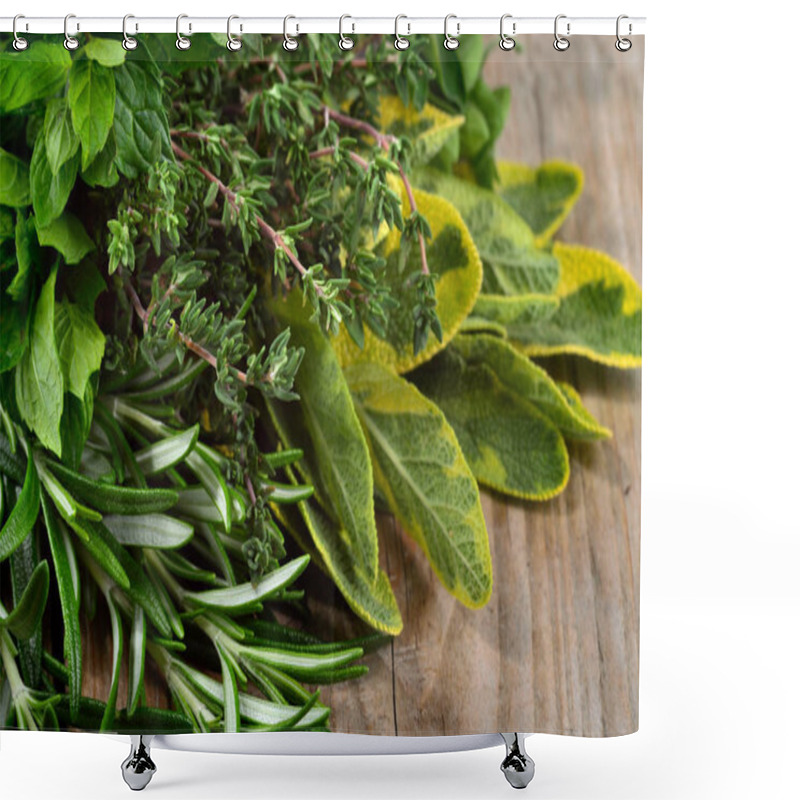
50, 190
40, 71
39, 384
80, 345
61, 141
14, 181
68, 236
91, 97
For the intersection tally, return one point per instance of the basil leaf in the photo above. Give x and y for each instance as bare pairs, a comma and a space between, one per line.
39, 384
13, 333
26, 249
102, 172
105, 51
61, 141
50, 190
28, 75
27, 615
80, 345
67, 235
14, 181
23, 516
91, 96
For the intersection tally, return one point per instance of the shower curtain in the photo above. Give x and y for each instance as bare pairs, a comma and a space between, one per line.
319, 385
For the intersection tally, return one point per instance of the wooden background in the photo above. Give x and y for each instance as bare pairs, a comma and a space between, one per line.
556, 648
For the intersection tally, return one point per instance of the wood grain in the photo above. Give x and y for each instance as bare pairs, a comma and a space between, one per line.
556, 648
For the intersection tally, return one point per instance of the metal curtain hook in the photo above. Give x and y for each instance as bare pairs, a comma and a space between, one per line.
345, 42
623, 45
181, 41
451, 42
19, 44
289, 44
506, 42
560, 43
70, 42
400, 42
128, 42
234, 42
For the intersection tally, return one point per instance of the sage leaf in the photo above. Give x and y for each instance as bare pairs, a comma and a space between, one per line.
452, 257
420, 469
599, 315
244, 596
325, 427
168, 452
558, 402
509, 444
39, 384
91, 97
104, 51
26, 617
544, 196
67, 235
23, 515
61, 141
513, 262
31, 74
149, 530
514, 313
50, 190
140, 121
15, 183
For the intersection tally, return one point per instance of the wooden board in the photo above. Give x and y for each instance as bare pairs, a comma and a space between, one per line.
556, 648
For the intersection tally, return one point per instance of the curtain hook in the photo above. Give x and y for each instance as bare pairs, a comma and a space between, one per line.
451, 42
19, 44
560, 43
345, 42
234, 42
70, 42
128, 42
623, 45
506, 42
400, 42
181, 41
289, 44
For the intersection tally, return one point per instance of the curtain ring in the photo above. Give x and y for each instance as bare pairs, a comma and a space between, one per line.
345, 42
400, 42
181, 41
451, 42
70, 42
623, 45
234, 42
289, 44
128, 42
560, 43
506, 42
19, 44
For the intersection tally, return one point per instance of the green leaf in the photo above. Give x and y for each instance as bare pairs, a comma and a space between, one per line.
27, 251
68, 591
516, 312
420, 469
102, 171
15, 190
560, 403
76, 421
149, 530
244, 596
104, 51
166, 453
39, 383
544, 196
470, 55
230, 693
140, 119
81, 345
23, 515
61, 141
599, 314
27, 615
13, 332
136, 659
92, 93
24, 561
475, 134
205, 469
50, 190
116, 659
67, 235
513, 263
509, 444
452, 257
28, 75
325, 427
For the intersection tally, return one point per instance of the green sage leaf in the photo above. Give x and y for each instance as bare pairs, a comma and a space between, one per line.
91, 96
420, 469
